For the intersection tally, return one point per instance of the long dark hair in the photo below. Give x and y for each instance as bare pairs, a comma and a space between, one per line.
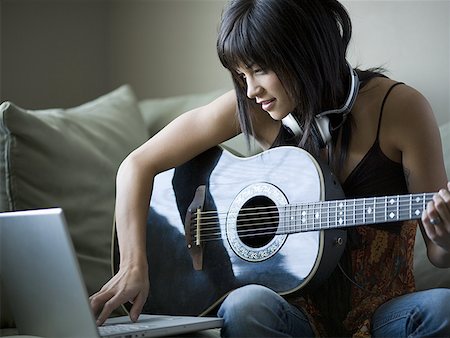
303, 41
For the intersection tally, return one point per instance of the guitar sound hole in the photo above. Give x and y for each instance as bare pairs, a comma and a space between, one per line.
257, 221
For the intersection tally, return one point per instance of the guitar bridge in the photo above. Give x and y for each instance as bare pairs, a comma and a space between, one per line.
192, 228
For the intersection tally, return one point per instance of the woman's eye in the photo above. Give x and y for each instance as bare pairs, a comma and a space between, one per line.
242, 76
258, 70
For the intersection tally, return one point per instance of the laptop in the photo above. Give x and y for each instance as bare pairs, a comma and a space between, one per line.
46, 293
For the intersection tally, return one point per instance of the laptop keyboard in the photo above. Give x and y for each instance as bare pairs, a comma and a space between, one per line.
123, 328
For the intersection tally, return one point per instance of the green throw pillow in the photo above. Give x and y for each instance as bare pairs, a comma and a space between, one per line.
68, 158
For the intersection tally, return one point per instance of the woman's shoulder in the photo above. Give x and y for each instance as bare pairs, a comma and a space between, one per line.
395, 99
402, 101
383, 87
406, 112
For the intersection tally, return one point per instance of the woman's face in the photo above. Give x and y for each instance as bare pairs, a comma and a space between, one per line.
266, 89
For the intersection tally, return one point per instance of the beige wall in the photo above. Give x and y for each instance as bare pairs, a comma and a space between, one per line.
170, 46
62, 52
409, 38
53, 52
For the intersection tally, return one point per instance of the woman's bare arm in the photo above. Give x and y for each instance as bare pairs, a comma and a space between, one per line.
184, 138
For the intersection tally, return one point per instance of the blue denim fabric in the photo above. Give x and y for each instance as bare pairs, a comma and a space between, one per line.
256, 311
419, 314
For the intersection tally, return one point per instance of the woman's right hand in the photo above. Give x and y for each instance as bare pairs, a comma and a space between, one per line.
130, 284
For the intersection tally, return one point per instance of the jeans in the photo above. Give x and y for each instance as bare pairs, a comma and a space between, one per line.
256, 311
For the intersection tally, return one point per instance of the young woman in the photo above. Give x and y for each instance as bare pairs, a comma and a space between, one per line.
288, 58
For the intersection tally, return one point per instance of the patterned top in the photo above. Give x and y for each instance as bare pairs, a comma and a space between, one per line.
377, 264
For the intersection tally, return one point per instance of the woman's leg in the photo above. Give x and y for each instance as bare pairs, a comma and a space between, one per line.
256, 311
418, 314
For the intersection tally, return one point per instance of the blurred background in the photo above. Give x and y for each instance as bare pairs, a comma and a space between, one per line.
61, 53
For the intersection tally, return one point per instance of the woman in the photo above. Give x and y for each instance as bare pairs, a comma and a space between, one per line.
287, 59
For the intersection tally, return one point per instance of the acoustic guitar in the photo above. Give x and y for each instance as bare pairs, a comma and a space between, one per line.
277, 219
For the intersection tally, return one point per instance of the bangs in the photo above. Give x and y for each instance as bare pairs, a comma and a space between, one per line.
240, 43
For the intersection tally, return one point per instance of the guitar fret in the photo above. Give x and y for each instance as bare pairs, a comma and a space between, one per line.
404, 207
294, 218
320, 215
392, 208
359, 213
335, 214
418, 204
385, 209
424, 205
316, 216
349, 212
288, 218
328, 214
342, 213
375, 211
305, 217
352, 212
398, 207
364, 211
410, 206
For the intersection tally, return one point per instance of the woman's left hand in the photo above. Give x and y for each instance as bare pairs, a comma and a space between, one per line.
436, 219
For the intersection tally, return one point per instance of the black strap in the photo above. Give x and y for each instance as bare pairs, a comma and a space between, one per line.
382, 106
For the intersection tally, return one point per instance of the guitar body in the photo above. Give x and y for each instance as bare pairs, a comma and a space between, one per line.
236, 248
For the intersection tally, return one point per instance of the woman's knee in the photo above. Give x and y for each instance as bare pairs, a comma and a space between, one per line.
244, 299
438, 299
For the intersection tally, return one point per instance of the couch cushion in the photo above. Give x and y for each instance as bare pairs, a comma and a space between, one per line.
158, 112
68, 158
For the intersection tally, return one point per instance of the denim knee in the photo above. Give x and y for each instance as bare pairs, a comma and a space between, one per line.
418, 314
246, 299
256, 311
436, 311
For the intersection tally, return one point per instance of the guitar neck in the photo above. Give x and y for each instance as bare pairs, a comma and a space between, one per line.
353, 212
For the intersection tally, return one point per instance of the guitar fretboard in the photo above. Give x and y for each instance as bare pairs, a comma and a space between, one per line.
353, 212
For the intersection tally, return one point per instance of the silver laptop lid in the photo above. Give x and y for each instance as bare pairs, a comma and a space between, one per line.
47, 298
43, 283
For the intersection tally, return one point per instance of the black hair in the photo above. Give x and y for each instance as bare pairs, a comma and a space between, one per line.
303, 41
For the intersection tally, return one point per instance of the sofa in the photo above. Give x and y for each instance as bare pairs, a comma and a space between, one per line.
68, 158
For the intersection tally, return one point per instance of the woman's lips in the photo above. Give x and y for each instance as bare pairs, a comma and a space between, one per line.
268, 104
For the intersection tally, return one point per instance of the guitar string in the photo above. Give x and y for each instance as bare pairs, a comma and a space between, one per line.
345, 203
308, 220
335, 205
308, 226
218, 235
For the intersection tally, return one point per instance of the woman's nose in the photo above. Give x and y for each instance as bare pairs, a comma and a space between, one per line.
253, 88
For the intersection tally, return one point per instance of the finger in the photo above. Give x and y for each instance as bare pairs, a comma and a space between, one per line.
426, 221
445, 195
109, 306
432, 215
138, 304
441, 205
98, 300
